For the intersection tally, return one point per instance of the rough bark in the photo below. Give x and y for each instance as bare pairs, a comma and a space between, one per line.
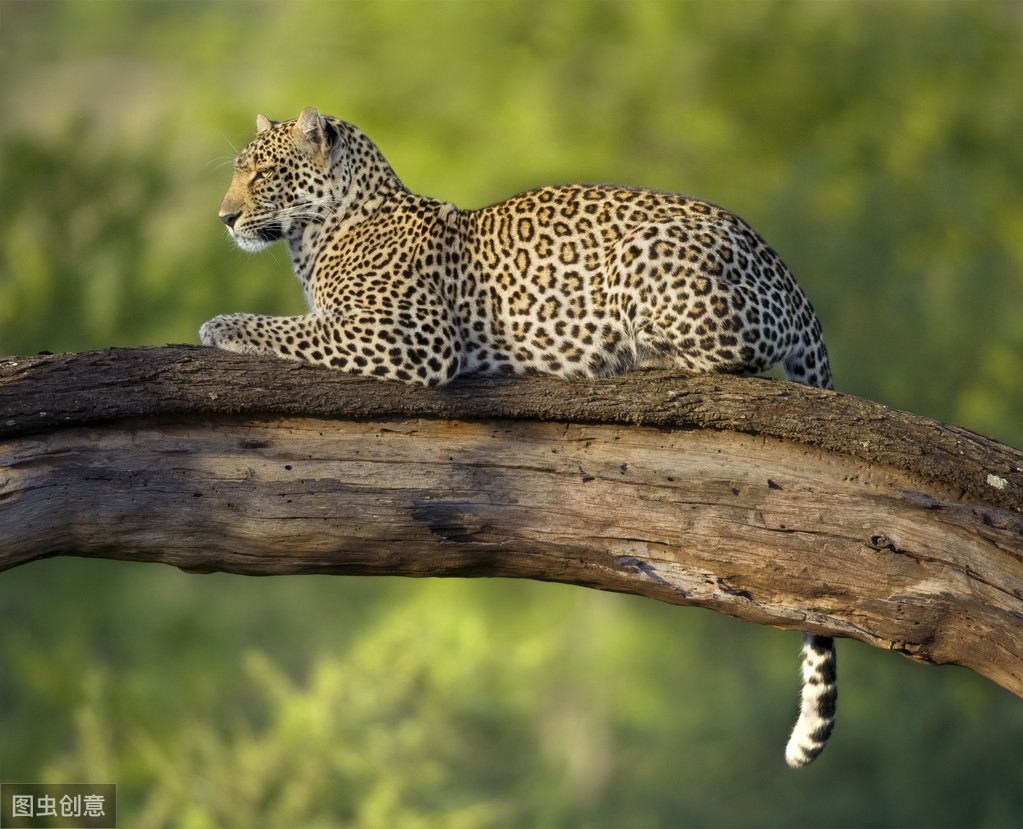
772, 502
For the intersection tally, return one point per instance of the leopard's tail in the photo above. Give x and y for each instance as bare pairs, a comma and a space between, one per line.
809, 364
817, 704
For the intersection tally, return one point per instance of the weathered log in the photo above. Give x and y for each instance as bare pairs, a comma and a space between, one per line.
773, 502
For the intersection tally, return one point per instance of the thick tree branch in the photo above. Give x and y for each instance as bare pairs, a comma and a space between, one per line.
772, 502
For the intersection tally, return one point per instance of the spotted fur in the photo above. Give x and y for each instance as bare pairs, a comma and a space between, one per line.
575, 281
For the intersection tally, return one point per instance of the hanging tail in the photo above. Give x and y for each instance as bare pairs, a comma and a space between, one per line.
817, 704
809, 364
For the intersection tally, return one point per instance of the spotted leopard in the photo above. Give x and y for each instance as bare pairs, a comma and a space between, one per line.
575, 281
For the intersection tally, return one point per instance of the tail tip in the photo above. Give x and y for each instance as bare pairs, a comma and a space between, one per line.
799, 756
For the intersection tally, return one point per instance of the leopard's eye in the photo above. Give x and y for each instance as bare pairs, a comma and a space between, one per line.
266, 172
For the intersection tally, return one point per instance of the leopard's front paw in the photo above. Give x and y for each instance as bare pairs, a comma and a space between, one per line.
231, 332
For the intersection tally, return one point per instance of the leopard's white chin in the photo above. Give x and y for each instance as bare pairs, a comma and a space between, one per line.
252, 244
256, 239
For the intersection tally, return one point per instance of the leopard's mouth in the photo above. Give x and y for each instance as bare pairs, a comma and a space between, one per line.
270, 233
256, 238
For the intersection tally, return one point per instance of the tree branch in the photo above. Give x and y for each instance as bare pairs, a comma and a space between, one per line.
773, 502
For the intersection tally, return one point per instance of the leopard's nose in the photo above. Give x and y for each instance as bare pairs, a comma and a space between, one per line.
229, 219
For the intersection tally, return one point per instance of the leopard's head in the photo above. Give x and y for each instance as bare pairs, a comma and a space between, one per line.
292, 173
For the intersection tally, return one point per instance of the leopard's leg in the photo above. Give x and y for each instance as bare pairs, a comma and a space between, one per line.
387, 344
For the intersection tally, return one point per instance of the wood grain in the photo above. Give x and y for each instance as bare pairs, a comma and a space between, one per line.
768, 501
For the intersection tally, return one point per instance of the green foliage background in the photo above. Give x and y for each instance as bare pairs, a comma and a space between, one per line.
875, 145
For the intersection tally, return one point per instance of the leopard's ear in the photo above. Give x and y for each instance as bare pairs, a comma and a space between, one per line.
313, 128
263, 123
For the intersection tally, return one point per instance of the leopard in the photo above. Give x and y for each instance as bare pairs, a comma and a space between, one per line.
578, 281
